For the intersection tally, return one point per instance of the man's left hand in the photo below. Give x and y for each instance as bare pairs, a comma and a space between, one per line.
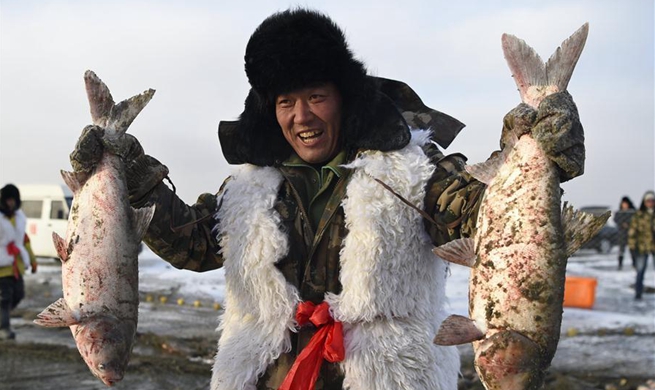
556, 126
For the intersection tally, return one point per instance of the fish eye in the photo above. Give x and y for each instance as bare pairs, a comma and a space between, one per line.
101, 367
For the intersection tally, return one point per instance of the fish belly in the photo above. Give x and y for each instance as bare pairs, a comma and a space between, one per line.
102, 271
518, 284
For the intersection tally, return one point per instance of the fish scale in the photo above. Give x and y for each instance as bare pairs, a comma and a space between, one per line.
522, 242
100, 252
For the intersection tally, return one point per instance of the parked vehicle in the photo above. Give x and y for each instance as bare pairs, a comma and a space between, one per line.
46, 208
607, 237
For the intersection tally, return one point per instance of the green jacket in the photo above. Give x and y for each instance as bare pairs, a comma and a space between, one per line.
641, 237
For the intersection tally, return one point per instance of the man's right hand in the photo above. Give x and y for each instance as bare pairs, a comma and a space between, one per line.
142, 171
88, 149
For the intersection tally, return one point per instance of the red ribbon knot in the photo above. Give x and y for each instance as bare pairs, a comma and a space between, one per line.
12, 249
326, 344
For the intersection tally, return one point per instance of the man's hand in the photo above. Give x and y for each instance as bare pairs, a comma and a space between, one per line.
88, 149
142, 171
556, 126
517, 122
34, 267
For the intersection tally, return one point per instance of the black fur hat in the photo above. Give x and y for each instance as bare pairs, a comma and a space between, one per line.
9, 191
298, 48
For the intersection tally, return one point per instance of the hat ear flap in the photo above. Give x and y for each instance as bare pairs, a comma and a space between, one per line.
256, 138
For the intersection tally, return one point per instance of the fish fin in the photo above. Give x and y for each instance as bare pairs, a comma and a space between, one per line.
528, 69
57, 315
460, 251
74, 180
580, 227
456, 330
60, 246
560, 65
142, 218
100, 99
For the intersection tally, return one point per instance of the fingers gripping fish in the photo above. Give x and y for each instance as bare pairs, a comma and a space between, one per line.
522, 242
100, 252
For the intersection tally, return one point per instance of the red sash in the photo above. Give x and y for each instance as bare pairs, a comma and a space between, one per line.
13, 250
327, 343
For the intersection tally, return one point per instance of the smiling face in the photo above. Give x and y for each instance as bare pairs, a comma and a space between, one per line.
310, 119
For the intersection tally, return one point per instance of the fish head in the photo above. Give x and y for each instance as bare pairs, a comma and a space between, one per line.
105, 345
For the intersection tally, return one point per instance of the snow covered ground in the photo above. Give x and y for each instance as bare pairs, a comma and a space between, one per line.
616, 335
614, 307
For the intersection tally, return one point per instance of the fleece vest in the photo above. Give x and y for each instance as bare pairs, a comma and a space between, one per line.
393, 295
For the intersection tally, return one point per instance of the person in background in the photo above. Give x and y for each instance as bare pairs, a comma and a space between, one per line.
641, 238
15, 256
622, 220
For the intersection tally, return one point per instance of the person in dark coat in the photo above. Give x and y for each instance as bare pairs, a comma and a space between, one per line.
622, 220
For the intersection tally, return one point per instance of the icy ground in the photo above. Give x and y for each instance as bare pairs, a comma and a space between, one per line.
611, 346
617, 335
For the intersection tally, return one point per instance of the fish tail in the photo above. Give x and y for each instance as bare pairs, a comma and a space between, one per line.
560, 65
115, 118
536, 80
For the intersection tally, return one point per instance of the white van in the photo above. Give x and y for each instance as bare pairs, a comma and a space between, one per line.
46, 208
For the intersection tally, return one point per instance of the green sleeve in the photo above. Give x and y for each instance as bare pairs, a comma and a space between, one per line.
452, 200
28, 246
183, 235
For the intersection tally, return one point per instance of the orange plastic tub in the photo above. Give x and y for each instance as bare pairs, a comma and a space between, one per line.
580, 292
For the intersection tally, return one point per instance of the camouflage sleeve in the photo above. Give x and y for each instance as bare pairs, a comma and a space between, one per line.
632, 233
182, 234
452, 199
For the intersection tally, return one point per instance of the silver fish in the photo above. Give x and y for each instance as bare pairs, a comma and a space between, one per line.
100, 253
522, 242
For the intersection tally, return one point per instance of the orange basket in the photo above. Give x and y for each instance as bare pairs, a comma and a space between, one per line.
580, 292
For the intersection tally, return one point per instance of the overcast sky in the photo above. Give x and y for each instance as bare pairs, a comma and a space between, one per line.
191, 52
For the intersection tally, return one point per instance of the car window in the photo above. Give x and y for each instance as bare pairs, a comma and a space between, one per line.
32, 208
57, 210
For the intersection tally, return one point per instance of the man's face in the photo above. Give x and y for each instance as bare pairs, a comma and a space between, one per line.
310, 119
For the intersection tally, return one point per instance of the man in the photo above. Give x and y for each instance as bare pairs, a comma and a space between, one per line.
15, 256
310, 229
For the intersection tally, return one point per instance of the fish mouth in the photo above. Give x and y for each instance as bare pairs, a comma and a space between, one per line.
111, 380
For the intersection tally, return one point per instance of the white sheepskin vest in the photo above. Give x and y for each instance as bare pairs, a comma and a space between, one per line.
393, 292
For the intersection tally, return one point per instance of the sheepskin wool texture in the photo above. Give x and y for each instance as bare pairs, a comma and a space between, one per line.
259, 303
393, 292
393, 295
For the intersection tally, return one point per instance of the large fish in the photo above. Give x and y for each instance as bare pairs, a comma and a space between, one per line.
522, 242
100, 252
